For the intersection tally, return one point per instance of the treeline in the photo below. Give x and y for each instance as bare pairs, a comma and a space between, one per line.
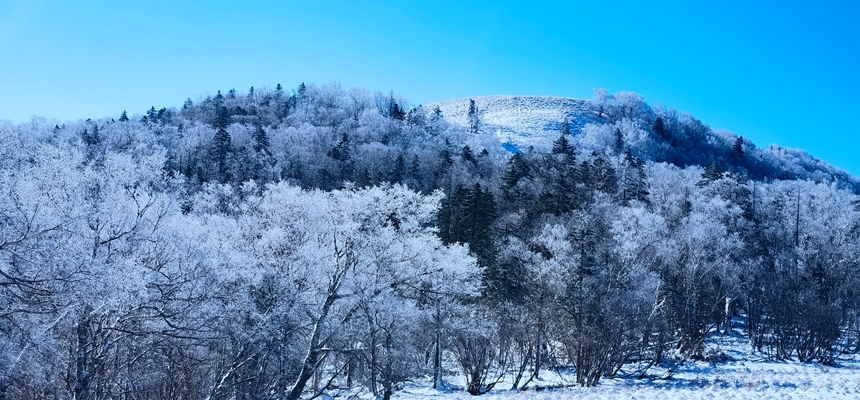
283, 244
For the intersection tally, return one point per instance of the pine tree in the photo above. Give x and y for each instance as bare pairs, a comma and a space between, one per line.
660, 129
738, 147
632, 185
712, 173
301, 92
415, 168
395, 112
152, 115
564, 179
517, 170
477, 229
565, 127
341, 151
603, 176
467, 155
562, 146
474, 118
399, 169
261, 140
222, 141
450, 216
123, 117
619, 141
437, 112
222, 116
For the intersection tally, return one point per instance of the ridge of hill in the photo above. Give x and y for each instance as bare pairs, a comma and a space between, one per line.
520, 122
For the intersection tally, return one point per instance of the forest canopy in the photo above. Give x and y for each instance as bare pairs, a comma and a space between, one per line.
289, 243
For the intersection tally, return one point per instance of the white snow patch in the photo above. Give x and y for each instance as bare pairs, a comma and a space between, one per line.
521, 120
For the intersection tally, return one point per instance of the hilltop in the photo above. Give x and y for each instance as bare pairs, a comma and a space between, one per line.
523, 121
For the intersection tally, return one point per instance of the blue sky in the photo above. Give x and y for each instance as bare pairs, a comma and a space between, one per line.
776, 72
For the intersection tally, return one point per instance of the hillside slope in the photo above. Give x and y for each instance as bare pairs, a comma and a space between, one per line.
523, 121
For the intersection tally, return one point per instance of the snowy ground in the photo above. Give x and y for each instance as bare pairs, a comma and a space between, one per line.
520, 120
749, 376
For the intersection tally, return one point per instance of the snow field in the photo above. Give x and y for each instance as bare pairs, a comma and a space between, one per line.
749, 377
521, 120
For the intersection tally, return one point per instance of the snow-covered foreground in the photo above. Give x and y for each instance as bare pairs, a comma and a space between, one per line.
733, 380
748, 376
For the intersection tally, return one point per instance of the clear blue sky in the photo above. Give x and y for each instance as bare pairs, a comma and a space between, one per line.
778, 72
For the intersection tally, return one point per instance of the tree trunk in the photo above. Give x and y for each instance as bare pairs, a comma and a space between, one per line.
538, 360
308, 367
728, 320
437, 356
312, 359
82, 373
373, 364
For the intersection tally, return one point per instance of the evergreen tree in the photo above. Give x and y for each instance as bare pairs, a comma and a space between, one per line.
301, 92
450, 215
546, 203
565, 127
437, 113
738, 147
222, 117
619, 141
517, 169
123, 117
222, 141
474, 118
603, 176
261, 140
399, 169
395, 112
632, 185
660, 129
564, 177
562, 147
152, 115
476, 223
341, 151
712, 173
467, 155
415, 168
445, 156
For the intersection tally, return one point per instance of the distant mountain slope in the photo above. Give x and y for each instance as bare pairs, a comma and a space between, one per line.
521, 120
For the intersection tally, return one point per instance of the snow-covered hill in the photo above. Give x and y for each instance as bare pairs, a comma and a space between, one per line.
520, 120
523, 121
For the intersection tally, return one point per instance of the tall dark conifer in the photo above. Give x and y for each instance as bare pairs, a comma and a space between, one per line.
474, 118
222, 141
399, 169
